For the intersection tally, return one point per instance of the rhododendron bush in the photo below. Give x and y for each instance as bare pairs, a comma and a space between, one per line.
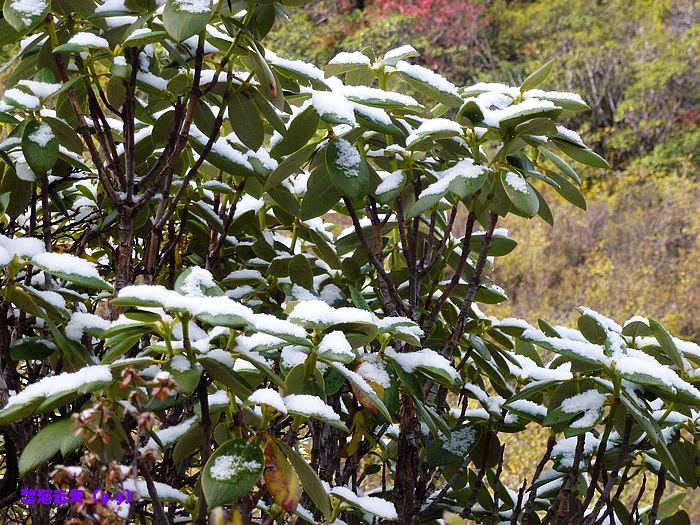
252, 290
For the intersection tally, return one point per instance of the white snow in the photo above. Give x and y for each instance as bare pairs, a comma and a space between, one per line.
390, 181
349, 159
605, 322
298, 66
5, 257
373, 370
427, 76
226, 467
494, 117
180, 363
460, 441
436, 125
354, 57
333, 104
27, 9
377, 506
195, 305
409, 361
61, 383
168, 436
528, 407
89, 40
193, 6
270, 323
292, 356
66, 263
40, 89
222, 148
493, 87
22, 246
336, 343
245, 275
112, 5
269, 397
636, 361
309, 405
163, 490
554, 95
43, 135
585, 350
21, 98
570, 135
589, 402
516, 182
197, 279
154, 81
400, 52
464, 168
566, 448
321, 313
371, 113
368, 94
221, 356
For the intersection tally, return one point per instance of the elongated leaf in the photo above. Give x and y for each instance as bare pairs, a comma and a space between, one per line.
309, 479
347, 169
231, 471
40, 146
23, 15
245, 120
536, 78
53, 438
520, 193
185, 18
667, 343
281, 479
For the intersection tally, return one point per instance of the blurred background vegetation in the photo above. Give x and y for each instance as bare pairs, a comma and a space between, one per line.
636, 249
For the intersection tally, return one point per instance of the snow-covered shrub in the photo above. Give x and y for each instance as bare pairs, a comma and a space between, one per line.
185, 316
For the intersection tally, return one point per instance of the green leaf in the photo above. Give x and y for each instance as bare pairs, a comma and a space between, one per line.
583, 155
567, 190
667, 343
185, 374
231, 471
301, 129
300, 272
536, 78
185, 18
65, 134
40, 146
354, 378
347, 169
53, 438
28, 348
321, 194
433, 91
245, 120
520, 193
309, 479
560, 163
290, 166
324, 250
651, 427
23, 16
424, 203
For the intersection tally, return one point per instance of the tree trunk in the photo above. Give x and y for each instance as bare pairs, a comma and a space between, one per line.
126, 245
407, 463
